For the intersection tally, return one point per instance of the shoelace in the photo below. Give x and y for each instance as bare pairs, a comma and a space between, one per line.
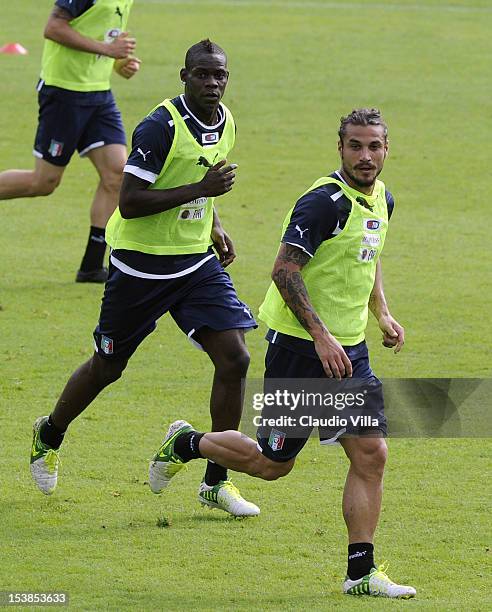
381, 570
52, 460
176, 466
383, 581
234, 491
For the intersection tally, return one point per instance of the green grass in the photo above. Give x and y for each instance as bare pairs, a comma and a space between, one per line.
296, 67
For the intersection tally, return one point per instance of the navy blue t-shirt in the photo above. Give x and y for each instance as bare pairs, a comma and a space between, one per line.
151, 143
321, 214
317, 216
75, 7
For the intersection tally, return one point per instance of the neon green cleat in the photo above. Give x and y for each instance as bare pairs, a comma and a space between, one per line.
165, 463
44, 461
378, 584
225, 496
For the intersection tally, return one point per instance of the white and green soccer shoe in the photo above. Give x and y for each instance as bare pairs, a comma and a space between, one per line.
44, 461
378, 584
165, 464
225, 496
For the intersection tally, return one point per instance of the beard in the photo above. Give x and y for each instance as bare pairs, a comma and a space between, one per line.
360, 182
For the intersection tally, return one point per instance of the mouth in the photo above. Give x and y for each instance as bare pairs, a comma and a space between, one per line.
211, 96
365, 168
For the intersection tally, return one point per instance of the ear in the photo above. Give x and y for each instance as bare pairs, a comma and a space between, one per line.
183, 75
386, 149
340, 147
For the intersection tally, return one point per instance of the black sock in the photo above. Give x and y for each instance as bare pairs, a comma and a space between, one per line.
186, 445
360, 560
94, 251
50, 434
214, 473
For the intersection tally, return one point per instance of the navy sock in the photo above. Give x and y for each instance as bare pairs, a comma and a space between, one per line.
186, 445
95, 250
214, 473
50, 434
360, 560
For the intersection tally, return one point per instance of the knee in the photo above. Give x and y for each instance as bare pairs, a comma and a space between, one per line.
234, 365
111, 179
106, 372
273, 470
44, 185
371, 459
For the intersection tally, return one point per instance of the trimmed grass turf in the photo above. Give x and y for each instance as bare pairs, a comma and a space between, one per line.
295, 68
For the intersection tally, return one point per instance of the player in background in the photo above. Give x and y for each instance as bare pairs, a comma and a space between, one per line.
85, 41
326, 277
162, 260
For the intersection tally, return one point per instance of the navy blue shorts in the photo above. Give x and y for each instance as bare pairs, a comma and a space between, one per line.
281, 443
131, 307
65, 124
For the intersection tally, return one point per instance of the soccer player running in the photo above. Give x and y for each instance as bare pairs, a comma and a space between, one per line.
85, 41
162, 260
326, 277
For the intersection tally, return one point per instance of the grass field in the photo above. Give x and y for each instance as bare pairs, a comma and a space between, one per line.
296, 67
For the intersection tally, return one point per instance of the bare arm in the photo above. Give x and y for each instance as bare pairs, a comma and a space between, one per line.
393, 332
136, 200
287, 277
58, 29
222, 242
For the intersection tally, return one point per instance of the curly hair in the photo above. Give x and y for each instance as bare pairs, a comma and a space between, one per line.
362, 116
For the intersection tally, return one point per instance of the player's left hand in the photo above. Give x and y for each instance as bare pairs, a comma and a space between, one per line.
393, 333
223, 246
127, 67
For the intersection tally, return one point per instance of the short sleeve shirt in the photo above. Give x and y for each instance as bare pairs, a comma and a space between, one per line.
75, 7
316, 217
151, 143
153, 138
75, 98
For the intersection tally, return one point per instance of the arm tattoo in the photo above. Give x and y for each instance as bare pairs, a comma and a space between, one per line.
292, 288
292, 254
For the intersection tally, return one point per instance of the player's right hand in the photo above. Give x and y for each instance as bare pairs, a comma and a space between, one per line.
122, 46
218, 180
335, 362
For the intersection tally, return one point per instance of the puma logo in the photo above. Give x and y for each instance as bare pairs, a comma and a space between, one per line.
144, 155
301, 231
358, 554
203, 161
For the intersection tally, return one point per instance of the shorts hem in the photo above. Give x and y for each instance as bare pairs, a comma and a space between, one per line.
277, 459
369, 432
225, 328
113, 356
94, 145
99, 144
54, 161
198, 346
334, 439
